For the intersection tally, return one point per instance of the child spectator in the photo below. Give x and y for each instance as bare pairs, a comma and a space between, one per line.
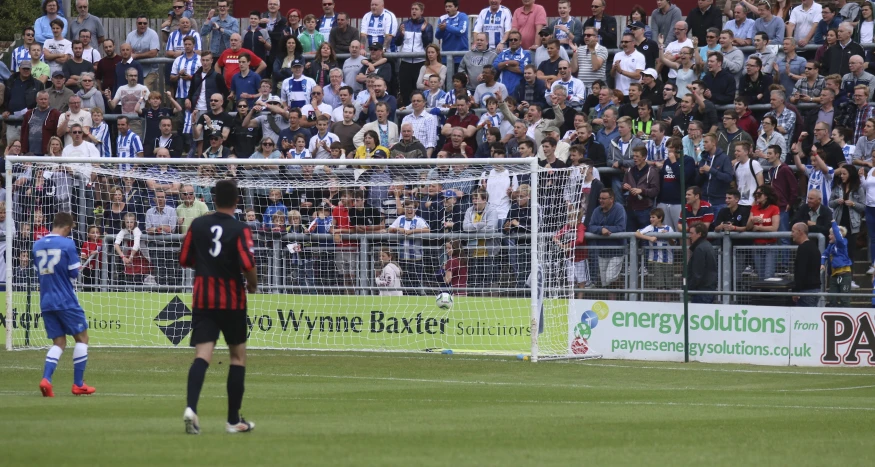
659, 256
572, 241
275, 204
410, 250
320, 143
91, 250
153, 113
23, 275
135, 265
302, 264
434, 95
252, 220
484, 149
39, 225
310, 38
389, 276
837, 264
278, 222
491, 119
455, 270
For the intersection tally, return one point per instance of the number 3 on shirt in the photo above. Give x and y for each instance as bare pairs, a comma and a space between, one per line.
217, 245
47, 259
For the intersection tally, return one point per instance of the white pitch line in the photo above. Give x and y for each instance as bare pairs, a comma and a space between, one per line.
722, 370
335, 398
827, 389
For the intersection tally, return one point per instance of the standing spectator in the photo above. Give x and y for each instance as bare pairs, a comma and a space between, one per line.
22, 52
229, 61
702, 273
609, 218
342, 35
848, 203
431, 67
105, 68
57, 49
347, 128
410, 251
642, 183
310, 38
455, 269
804, 21
837, 57
648, 47
128, 144
715, 172
245, 83
868, 184
814, 214
474, 60
729, 135
388, 274
295, 91
43, 24
604, 23
528, 19
145, 44
764, 53
126, 63
628, 64
481, 217
386, 129
495, 22
658, 254
672, 52
566, 29
836, 261
748, 174
806, 270
704, 16
511, 62
810, 86
734, 217
59, 95
174, 19
765, 216
453, 30
663, 19
719, 81
670, 198
380, 26
755, 84
161, 220
257, 39
620, 154
831, 20
39, 124
220, 28
76, 66
769, 137
424, 124
74, 115
590, 59
20, 95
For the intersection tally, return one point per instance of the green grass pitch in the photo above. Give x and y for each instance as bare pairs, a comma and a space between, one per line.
326, 408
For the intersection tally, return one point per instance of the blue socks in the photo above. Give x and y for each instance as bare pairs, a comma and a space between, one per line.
80, 359
52, 357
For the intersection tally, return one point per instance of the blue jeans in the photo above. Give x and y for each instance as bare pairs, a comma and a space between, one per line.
717, 207
698, 298
870, 226
617, 186
637, 219
809, 301
784, 226
764, 263
520, 261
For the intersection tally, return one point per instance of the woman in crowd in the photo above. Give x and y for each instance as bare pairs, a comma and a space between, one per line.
371, 145
592, 99
114, 216
638, 14
832, 36
283, 66
694, 142
432, 66
687, 70
91, 96
867, 176
865, 30
848, 202
765, 216
769, 137
325, 61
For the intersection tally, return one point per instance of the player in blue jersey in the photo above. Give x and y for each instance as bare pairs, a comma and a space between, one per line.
57, 261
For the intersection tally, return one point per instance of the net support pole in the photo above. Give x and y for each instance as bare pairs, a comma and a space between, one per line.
10, 223
535, 285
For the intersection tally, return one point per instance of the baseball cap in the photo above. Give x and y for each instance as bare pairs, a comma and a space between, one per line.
636, 25
57, 74
379, 154
449, 194
650, 72
297, 62
274, 100
216, 136
545, 31
25, 64
376, 46
551, 128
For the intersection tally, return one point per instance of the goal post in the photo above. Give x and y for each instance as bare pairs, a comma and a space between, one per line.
351, 254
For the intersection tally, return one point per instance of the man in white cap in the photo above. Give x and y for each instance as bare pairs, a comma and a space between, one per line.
651, 87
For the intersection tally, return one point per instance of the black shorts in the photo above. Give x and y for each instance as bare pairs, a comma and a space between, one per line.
206, 325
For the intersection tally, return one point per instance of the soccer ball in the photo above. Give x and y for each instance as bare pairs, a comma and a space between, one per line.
444, 300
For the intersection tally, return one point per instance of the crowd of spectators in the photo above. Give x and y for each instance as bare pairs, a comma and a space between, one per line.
577, 92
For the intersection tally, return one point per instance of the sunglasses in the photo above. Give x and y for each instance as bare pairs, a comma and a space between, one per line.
215, 100
809, 68
142, 23
29, 35
267, 144
625, 42
513, 40
75, 132
589, 35
188, 193
242, 107
87, 80
562, 68
178, 7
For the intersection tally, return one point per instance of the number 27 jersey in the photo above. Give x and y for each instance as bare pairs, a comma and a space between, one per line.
57, 261
219, 248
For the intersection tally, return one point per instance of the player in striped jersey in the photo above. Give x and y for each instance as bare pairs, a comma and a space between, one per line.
58, 264
659, 256
495, 22
128, 144
379, 25
221, 251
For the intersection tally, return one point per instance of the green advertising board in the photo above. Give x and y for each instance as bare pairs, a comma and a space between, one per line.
325, 322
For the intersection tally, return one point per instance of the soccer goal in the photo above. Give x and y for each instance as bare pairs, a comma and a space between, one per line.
439, 255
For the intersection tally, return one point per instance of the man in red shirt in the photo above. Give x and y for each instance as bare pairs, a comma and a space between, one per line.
456, 144
227, 63
345, 251
464, 119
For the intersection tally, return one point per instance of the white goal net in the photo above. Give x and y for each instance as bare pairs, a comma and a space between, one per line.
388, 255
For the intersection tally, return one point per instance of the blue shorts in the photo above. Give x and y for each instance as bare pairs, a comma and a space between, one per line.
60, 323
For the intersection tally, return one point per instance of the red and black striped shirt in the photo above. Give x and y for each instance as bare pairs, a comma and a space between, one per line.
220, 249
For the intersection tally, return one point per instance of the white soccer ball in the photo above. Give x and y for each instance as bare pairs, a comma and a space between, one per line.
444, 300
